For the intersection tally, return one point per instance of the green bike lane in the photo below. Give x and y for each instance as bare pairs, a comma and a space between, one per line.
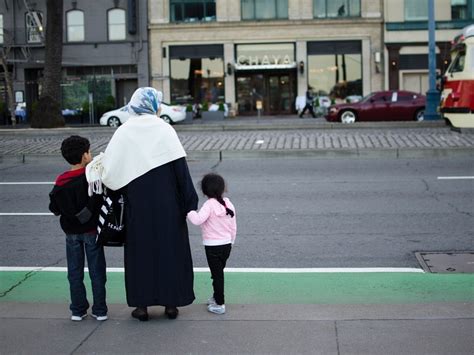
266, 287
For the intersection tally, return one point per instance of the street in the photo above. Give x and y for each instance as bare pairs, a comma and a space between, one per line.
292, 213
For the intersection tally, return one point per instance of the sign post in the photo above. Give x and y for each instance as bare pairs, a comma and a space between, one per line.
91, 108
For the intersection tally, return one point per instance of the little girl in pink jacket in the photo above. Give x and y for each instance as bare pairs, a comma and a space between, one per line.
219, 228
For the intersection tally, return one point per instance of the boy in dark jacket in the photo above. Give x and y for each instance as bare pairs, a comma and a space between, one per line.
79, 217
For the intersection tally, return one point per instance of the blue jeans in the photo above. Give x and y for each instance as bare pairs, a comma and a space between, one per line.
76, 245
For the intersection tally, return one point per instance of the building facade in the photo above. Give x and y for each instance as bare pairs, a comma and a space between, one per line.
104, 57
244, 51
406, 39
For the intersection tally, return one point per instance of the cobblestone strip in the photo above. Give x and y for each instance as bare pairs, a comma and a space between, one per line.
246, 140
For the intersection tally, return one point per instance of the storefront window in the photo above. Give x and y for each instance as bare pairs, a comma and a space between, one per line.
197, 80
264, 9
416, 10
335, 68
75, 96
461, 9
336, 8
193, 10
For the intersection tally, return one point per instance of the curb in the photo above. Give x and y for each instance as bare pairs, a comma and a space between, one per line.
251, 125
220, 155
298, 125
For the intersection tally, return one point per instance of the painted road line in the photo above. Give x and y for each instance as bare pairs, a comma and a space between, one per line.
266, 288
27, 183
241, 270
455, 177
26, 214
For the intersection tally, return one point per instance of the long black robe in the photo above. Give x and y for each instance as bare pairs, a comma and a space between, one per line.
158, 262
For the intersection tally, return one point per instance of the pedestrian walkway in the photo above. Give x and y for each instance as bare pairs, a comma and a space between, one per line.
267, 313
278, 136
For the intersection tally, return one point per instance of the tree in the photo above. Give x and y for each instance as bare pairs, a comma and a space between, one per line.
4, 53
48, 112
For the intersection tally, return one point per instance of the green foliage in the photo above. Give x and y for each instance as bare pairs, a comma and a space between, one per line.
221, 107
316, 102
107, 105
205, 107
189, 108
34, 107
74, 94
85, 108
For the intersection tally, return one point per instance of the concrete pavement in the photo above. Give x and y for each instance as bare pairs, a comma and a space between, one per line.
245, 329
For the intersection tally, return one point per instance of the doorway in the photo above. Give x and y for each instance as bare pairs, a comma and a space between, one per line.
276, 89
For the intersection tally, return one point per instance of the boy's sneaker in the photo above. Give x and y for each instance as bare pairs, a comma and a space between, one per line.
216, 308
101, 318
211, 300
78, 318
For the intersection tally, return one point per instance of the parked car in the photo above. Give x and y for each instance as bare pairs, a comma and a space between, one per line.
170, 114
381, 106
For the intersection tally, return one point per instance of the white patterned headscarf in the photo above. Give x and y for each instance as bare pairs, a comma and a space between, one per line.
141, 144
145, 100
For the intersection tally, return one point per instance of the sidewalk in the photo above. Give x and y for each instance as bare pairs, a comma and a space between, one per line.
269, 137
312, 313
246, 329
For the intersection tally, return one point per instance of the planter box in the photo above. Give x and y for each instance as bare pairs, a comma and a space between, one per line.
213, 115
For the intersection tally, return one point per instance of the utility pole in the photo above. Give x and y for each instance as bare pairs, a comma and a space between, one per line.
433, 95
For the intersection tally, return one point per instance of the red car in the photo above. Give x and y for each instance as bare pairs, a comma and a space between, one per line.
381, 106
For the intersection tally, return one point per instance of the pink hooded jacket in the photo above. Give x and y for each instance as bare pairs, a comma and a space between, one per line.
217, 227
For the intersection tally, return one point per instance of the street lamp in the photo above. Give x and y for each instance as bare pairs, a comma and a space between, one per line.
432, 95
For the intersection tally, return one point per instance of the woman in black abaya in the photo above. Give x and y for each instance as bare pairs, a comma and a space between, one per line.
146, 160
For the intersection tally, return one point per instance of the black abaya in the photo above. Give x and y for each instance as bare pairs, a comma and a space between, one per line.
158, 263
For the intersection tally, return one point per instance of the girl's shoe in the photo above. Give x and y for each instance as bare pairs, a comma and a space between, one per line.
140, 313
171, 312
211, 300
216, 308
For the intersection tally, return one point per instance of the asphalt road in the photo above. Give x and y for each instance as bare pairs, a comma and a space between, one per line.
291, 212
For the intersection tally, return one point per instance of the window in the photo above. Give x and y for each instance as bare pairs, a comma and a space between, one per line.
197, 80
197, 74
34, 27
335, 68
193, 10
1, 29
264, 9
458, 63
75, 26
416, 10
462, 9
336, 8
117, 24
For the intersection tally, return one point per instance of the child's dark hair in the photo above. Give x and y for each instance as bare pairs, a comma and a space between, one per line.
73, 148
213, 186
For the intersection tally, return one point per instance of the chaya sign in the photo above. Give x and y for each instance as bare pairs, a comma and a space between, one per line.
265, 56
264, 60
